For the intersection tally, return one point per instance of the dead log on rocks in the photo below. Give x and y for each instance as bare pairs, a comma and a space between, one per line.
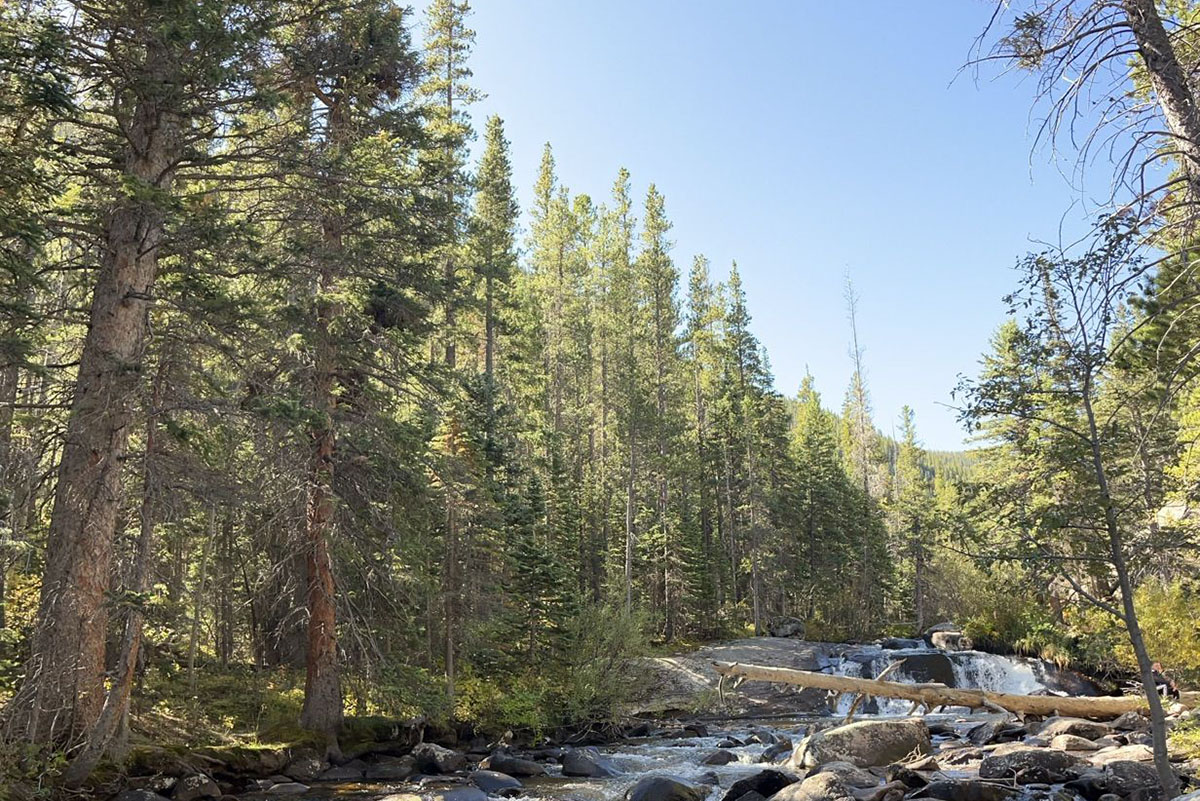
933, 694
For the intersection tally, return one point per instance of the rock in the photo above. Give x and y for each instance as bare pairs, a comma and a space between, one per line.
763, 736
951, 641
730, 742
766, 783
1089, 783
1130, 721
929, 667
1192, 796
695, 730
1072, 742
1087, 729
461, 794
287, 788
505, 762
1029, 765
786, 627
989, 730
866, 743
967, 790
352, 771
1127, 778
496, 783
392, 770
1109, 741
665, 788
304, 768
1139, 738
906, 776
587, 762
892, 791
899, 643
818, 787
138, 795
751, 796
1126, 753
433, 758
721, 757
709, 778
852, 775
775, 753
402, 797
191, 788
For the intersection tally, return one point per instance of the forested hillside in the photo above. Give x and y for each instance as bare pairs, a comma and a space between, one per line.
297, 403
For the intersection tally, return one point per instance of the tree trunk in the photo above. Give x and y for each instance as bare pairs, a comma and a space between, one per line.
63, 690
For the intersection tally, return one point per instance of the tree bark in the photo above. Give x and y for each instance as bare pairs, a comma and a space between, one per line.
63, 689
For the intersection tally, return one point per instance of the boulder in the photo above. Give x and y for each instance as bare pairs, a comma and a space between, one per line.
906, 776
304, 768
1087, 729
138, 795
899, 643
392, 770
751, 796
665, 788
1029, 765
352, 771
461, 794
867, 743
505, 762
587, 762
967, 790
433, 758
1072, 742
193, 788
720, 757
818, 787
496, 783
989, 731
1131, 721
766, 783
852, 775
1126, 753
1129, 778
1089, 783
765, 737
951, 641
786, 627
287, 788
892, 791
774, 753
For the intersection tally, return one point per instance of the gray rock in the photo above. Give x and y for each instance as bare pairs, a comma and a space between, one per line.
1087, 729
967, 790
818, 787
665, 788
1130, 721
866, 743
352, 771
287, 788
304, 768
720, 757
496, 783
505, 762
730, 742
392, 770
1127, 778
950, 641
587, 762
1109, 742
462, 794
852, 775
1130, 753
433, 758
1029, 765
751, 796
192, 788
775, 753
138, 795
766, 783
786, 627
1072, 742
906, 776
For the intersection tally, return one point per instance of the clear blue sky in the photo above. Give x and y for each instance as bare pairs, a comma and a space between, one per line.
803, 139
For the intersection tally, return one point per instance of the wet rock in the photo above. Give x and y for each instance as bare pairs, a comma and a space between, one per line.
138, 795
433, 758
709, 778
766, 783
775, 753
587, 762
665, 788
1130, 721
1128, 778
1087, 729
818, 787
460, 794
352, 771
304, 768
751, 796
989, 731
721, 757
906, 776
496, 783
942, 729
967, 790
505, 762
765, 737
1072, 742
866, 743
1192, 796
193, 788
929, 667
892, 791
695, 730
287, 788
1029, 765
898, 643
392, 770
958, 756
852, 775
730, 742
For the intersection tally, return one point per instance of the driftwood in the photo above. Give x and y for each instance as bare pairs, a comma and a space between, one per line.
933, 694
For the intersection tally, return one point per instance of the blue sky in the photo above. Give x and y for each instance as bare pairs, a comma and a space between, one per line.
805, 140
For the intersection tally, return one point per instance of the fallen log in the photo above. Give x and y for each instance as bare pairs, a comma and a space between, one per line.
933, 694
